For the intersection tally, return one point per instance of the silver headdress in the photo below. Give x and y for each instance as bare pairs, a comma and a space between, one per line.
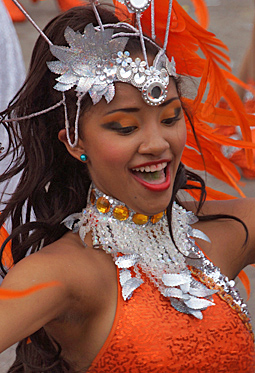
97, 58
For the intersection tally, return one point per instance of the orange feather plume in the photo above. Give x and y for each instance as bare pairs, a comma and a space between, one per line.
212, 194
201, 12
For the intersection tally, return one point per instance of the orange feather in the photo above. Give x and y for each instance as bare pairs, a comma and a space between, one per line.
246, 283
7, 259
10, 294
212, 194
201, 12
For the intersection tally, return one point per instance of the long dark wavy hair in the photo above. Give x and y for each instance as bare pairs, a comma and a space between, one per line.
53, 184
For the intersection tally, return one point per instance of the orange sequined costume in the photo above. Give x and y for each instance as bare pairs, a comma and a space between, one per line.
148, 335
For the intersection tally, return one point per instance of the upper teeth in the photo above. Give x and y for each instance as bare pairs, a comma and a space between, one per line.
151, 168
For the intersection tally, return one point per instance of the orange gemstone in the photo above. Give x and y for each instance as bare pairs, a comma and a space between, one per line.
93, 196
140, 219
121, 212
155, 218
103, 205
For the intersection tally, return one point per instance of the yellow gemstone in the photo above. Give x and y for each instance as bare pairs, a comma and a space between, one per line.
103, 205
120, 212
93, 196
140, 219
155, 218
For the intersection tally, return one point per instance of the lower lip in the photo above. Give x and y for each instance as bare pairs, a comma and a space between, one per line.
156, 187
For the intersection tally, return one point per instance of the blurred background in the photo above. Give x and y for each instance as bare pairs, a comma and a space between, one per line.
230, 20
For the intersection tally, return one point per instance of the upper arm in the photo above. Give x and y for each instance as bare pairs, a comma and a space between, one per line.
244, 209
22, 316
227, 235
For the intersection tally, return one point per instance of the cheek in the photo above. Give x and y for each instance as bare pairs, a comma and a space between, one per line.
107, 153
183, 136
180, 138
112, 156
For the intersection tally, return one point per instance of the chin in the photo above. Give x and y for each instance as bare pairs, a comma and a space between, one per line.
154, 209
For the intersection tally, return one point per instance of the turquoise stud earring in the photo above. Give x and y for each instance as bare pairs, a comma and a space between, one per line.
83, 157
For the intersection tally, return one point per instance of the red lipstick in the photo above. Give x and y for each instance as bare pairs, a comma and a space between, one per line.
155, 187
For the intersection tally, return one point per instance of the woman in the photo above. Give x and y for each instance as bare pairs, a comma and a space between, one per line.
149, 308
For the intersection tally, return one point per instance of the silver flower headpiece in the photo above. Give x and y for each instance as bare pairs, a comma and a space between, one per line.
97, 58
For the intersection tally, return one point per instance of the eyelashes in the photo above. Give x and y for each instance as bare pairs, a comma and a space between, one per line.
127, 130
116, 126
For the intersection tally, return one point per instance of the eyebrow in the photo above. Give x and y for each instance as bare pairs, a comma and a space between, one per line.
135, 109
167, 102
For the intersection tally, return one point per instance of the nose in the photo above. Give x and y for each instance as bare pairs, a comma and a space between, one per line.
153, 142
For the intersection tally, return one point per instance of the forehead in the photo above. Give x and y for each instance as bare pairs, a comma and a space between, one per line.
128, 96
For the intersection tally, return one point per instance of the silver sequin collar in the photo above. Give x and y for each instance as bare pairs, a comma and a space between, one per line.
149, 249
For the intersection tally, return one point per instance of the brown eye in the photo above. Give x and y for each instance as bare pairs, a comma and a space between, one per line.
117, 127
127, 130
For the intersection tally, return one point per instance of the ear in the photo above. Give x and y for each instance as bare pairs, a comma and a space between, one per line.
77, 151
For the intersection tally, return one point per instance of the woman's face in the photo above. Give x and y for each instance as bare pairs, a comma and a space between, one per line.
134, 149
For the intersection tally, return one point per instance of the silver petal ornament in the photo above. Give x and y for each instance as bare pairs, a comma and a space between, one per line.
191, 218
124, 276
109, 94
196, 314
127, 261
198, 234
84, 84
185, 287
63, 87
179, 305
199, 290
67, 78
71, 219
57, 67
175, 279
129, 286
197, 303
175, 293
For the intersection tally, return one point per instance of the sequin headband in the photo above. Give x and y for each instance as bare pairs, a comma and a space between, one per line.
97, 58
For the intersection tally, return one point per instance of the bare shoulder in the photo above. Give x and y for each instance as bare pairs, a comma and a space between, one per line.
48, 266
21, 316
77, 266
228, 236
82, 279
240, 207
85, 271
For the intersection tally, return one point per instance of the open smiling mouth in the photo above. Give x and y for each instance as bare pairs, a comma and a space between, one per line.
155, 177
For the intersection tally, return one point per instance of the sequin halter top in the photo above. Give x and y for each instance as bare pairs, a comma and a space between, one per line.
141, 244
176, 312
